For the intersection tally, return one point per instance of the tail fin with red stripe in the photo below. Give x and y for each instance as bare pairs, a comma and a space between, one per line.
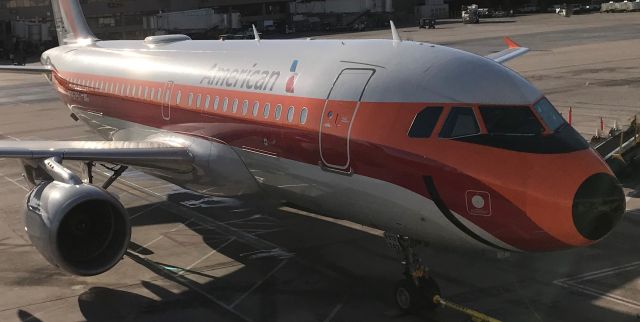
71, 25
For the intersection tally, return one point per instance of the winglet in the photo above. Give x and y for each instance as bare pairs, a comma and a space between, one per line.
394, 32
255, 32
510, 43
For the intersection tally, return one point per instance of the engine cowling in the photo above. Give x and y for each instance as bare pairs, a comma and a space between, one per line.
82, 229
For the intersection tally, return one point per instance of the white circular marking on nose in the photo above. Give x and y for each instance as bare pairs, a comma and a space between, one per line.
477, 201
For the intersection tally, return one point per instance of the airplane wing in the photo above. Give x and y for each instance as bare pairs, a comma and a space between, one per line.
149, 154
37, 69
513, 51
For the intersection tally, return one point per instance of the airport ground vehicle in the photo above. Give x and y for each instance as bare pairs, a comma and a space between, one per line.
470, 14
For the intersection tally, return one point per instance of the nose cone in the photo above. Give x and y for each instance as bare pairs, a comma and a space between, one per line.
598, 206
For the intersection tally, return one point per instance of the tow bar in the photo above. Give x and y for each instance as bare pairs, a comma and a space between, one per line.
473, 314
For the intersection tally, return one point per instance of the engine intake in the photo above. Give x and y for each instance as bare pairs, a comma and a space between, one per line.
81, 229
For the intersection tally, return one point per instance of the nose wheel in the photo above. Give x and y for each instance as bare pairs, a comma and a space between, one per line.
417, 290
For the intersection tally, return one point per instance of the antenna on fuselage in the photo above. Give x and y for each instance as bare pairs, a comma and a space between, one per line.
255, 32
394, 32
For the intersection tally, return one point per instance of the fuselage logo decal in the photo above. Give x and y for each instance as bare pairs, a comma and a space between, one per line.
291, 82
253, 78
246, 78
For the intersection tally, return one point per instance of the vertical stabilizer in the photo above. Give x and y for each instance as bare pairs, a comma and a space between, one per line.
71, 25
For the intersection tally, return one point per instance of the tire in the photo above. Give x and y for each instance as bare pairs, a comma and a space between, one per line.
411, 298
407, 296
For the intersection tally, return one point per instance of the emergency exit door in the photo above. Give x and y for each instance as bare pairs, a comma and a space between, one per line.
338, 116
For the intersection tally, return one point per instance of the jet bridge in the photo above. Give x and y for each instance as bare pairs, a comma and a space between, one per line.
620, 148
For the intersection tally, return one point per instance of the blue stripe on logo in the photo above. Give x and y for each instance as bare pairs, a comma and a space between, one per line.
294, 66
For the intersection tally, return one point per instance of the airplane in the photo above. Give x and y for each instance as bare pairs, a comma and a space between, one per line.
430, 144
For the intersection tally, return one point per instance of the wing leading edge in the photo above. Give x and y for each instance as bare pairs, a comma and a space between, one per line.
36, 69
156, 155
513, 51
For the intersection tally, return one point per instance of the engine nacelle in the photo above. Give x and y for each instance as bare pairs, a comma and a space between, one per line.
82, 229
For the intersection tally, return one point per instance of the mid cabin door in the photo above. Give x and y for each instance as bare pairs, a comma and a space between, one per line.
339, 113
166, 101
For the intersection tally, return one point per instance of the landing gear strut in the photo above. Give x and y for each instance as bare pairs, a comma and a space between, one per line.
417, 290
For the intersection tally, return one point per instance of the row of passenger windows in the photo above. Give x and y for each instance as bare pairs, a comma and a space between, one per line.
196, 100
498, 120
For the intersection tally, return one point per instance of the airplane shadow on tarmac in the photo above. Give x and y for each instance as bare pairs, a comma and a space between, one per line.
323, 270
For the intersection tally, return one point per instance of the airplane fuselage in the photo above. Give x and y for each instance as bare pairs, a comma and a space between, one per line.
326, 126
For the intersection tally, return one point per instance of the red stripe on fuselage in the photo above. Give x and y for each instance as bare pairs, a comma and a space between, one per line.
380, 148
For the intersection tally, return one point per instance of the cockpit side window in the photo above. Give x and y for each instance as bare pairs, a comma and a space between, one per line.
549, 114
460, 122
425, 122
510, 120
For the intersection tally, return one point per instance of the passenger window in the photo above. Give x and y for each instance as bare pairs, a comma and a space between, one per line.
207, 101
153, 94
303, 115
146, 92
460, 122
256, 107
510, 120
225, 103
245, 107
291, 113
159, 97
199, 101
190, 99
216, 102
140, 91
549, 114
425, 122
128, 90
178, 97
278, 111
167, 96
234, 108
267, 107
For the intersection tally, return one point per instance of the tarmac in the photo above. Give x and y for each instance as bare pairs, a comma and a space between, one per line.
195, 258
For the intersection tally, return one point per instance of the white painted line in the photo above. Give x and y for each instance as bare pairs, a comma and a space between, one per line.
206, 256
144, 211
573, 283
195, 287
335, 310
255, 286
16, 183
293, 185
598, 272
162, 236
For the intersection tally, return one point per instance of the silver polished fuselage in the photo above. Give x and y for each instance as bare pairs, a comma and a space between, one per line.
127, 90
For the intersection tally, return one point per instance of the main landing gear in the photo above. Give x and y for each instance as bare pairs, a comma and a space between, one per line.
417, 290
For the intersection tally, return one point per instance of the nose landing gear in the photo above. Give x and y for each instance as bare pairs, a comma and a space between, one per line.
417, 290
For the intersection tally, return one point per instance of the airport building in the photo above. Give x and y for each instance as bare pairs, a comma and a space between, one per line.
29, 21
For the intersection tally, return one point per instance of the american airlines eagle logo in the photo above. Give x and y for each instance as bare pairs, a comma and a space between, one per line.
291, 82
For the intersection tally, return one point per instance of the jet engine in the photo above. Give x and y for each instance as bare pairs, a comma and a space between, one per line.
80, 228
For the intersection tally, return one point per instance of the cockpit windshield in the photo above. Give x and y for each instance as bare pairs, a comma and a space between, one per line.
549, 114
517, 120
